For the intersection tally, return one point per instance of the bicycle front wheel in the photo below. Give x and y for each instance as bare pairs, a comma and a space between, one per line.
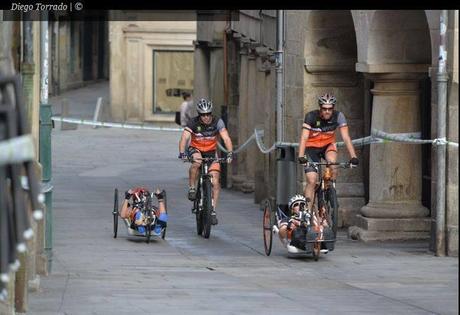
333, 208
207, 207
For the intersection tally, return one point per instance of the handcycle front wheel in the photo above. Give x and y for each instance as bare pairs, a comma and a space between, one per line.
268, 222
115, 213
316, 250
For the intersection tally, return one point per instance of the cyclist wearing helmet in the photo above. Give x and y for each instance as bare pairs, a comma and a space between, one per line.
293, 239
130, 210
287, 225
318, 140
203, 132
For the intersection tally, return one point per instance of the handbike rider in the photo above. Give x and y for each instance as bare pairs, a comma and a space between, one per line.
202, 132
130, 210
318, 141
288, 227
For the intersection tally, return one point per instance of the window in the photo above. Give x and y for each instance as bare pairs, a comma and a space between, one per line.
172, 75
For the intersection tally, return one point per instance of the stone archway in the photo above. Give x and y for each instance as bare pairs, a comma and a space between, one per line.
397, 61
330, 53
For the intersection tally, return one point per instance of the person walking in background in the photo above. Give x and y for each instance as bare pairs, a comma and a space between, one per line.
187, 110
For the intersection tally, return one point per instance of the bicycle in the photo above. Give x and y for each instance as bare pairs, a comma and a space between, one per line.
145, 205
326, 198
202, 205
317, 226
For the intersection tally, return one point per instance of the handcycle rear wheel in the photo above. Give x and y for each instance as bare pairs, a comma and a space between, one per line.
207, 207
115, 213
268, 222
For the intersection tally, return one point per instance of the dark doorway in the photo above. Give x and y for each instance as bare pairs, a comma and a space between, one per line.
88, 33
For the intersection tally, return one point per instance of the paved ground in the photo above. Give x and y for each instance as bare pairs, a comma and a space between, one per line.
93, 273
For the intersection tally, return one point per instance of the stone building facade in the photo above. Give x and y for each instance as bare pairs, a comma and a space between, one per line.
79, 53
151, 64
381, 65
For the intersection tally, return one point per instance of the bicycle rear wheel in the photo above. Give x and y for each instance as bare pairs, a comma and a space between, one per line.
115, 213
268, 222
333, 208
207, 207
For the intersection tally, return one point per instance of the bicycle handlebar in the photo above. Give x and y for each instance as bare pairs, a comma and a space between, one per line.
208, 159
341, 164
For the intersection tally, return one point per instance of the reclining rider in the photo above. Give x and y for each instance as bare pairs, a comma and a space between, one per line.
288, 225
131, 210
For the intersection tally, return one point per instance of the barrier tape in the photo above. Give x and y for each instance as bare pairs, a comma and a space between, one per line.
377, 136
113, 124
17, 150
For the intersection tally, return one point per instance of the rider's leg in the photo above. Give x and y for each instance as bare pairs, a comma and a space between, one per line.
311, 178
331, 156
215, 190
194, 169
215, 187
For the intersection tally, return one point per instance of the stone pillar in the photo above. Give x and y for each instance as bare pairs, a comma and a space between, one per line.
241, 157
260, 108
201, 73
250, 165
394, 210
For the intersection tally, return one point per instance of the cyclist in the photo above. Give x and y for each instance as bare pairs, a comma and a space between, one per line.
318, 140
202, 132
131, 211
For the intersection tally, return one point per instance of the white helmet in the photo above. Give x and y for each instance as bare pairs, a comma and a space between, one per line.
204, 106
295, 199
327, 99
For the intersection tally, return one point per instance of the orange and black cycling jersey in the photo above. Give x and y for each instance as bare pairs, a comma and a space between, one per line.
322, 132
204, 137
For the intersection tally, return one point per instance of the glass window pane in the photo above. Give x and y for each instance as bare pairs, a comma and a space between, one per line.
172, 75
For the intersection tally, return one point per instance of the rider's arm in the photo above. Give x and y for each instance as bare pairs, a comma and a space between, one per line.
184, 140
124, 213
347, 140
226, 138
303, 139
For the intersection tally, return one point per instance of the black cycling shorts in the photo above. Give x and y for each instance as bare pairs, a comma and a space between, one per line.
316, 154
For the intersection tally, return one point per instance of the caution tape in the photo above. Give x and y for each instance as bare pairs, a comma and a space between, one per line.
17, 150
377, 136
113, 124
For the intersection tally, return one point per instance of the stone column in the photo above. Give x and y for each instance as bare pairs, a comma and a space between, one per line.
394, 210
201, 73
240, 177
250, 165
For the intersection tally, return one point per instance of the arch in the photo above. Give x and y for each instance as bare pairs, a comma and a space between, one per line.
331, 53
399, 37
330, 38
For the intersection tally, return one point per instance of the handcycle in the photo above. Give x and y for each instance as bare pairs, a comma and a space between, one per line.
202, 205
144, 202
318, 226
